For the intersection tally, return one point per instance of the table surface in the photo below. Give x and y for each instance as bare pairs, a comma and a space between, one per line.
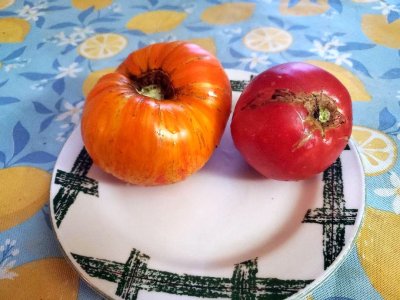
51, 55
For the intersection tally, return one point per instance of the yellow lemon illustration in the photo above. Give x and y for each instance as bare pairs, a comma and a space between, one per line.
13, 30
304, 7
85, 4
352, 83
92, 79
102, 46
51, 278
6, 3
377, 150
23, 191
268, 39
228, 13
378, 251
156, 21
377, 29
206, 43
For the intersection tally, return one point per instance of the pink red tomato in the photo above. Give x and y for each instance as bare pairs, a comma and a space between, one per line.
292, 121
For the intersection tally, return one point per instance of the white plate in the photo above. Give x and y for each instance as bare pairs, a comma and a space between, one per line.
225, 232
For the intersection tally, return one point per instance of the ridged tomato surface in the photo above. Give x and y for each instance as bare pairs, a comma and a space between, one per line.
150, 140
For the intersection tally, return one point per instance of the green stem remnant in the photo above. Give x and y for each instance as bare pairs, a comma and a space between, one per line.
152, 91
324, 115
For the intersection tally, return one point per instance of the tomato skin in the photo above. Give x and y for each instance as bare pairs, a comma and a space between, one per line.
277, 138
146, 141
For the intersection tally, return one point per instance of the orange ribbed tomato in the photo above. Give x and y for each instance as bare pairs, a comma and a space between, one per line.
158, 118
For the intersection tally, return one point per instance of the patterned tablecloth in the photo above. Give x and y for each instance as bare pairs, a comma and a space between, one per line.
53, 51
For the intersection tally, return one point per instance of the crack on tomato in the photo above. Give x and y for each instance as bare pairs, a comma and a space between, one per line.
322, 110
154, 83
307, 136
259, 100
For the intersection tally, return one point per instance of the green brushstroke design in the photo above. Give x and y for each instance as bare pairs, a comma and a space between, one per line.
72, 183
134, 276
333, 216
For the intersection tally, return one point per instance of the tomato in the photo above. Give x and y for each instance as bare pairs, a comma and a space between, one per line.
292, 121
158, 118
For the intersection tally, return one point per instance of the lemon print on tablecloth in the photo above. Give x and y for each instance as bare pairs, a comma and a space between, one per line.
227, 13
380, 31
352, 83
268, 39
377, 150
42, 279
206, 43
378, 251
85, 4
13, 30
156, 21
304, 7
6, 3
23, 191
92, 79
102, 46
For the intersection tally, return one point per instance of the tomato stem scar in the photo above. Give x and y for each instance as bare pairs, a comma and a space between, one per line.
155, 84
152, 91
322, 109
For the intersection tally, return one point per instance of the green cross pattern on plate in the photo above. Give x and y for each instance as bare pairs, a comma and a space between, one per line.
134, 276
72, 184
334, 215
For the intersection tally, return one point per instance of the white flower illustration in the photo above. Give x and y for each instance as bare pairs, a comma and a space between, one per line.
117, 8
232, 31
9, 67
80, 33
70, 71
386, 8
30, 13
166, 38
328, 49
189, 7
320, 48
392, 191
42, 4
72, 111
340, 58
7, 252
15, 64
62, 40
39, 85
60, 137
256, 60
